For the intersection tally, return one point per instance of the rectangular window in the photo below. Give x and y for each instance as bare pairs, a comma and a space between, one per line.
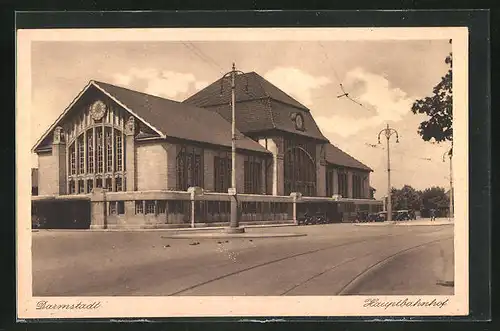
81, 156
112, 208
100, 152
356, 181
252, 175
98, 183
90, 186
162, 207
189, 168
109, 151
118, 184
109, 184
81, 186
121, 207
329, 183
71, 187
90, 152
139, 207
118, 153
150, 207
223, 169
342, 179
72, 153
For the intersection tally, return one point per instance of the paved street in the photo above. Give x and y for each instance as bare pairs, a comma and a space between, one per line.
336, 259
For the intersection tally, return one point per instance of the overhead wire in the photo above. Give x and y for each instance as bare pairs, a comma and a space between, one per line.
202, 56
327, 58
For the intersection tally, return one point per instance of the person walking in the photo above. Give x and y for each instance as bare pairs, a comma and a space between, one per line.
433, 215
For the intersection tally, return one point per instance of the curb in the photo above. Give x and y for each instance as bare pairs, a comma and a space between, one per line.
402, 224
172, 230
230, 235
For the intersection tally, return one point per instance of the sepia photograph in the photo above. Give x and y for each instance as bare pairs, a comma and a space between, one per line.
220, 172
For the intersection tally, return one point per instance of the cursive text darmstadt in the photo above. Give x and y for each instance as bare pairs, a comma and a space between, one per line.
43, 304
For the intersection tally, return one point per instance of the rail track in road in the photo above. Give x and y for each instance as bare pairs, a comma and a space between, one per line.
358, 276
347, 289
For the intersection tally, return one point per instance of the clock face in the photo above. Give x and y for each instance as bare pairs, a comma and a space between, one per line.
98, 110
299, 122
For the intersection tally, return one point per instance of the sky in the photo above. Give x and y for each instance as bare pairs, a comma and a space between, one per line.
386, 77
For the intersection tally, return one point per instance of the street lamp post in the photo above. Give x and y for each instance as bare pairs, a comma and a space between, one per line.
450, 155
234, 226
388, 132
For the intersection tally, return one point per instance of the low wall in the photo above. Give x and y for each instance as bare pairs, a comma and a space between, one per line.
170, 209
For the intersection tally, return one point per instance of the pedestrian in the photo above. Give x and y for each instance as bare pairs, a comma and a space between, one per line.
433, 215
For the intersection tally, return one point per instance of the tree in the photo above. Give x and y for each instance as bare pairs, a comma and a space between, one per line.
435, 198
439, 108
405, 198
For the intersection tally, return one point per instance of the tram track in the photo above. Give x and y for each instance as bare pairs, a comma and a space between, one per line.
351, 285
293, 256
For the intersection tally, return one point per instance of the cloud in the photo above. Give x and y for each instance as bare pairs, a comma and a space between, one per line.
296, 82
122, 79
386, 103
169, 84
200, 85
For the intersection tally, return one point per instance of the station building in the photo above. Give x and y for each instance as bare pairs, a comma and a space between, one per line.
117, 158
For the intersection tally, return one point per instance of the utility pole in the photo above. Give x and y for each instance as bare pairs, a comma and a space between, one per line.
234, 224
388, 132
450, 155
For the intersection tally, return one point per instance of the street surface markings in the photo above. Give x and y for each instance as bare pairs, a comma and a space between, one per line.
351, 284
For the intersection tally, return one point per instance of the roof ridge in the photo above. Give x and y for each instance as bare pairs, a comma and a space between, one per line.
135, 91
303, 107
348, 155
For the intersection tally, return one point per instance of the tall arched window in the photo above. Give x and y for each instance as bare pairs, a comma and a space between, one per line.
96, 159
300, 167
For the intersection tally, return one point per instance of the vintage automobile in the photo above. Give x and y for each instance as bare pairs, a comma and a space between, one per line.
376, 217
312, 218
312, 212
402, 215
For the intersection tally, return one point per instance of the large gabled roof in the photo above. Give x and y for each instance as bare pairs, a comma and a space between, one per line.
248, 86
170, 118
338, 157
260, 106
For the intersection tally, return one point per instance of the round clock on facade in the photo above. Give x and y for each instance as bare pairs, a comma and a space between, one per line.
98, 110
299, 122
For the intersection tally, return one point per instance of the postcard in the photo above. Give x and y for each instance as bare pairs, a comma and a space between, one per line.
242, 172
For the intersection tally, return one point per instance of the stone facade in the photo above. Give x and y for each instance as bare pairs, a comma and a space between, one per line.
116, 156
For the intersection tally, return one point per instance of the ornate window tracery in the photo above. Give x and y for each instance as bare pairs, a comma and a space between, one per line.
96, 152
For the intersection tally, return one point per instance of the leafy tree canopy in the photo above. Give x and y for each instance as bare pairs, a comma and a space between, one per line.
406, 198
439, 109
409, 198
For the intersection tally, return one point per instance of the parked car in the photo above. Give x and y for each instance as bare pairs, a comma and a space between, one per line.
402, 215
362, 217
376, 217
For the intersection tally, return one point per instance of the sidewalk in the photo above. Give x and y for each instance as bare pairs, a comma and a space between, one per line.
418, 222
171, 230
